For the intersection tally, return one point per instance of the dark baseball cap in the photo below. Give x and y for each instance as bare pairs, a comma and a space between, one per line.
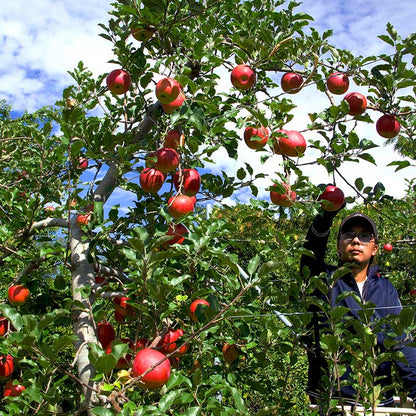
358, 218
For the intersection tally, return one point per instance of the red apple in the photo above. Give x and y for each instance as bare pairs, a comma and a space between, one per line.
291, 82
256, 138
387, 248
83, 219
133, 347
357, 103
338, 83
151, 180
190, 180
332, 198
122, 307
167, 160
118, 81
105, 334
412, 292
193, 307
178, 232
387, 126
100, 280
141, 34
146, 358
292, 145
180, 205
6, 366
18, 295
49, 208
12, 390
173, 139
169, 342
171, 107
243, 77
4, 326
286, 199
82, 163
230, 352
167, 90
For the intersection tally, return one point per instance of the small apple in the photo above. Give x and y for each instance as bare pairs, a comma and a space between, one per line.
292, 145
243, 77
82, 163
175, 104
173, 139
4, 326
167, 90
291, 82
6, 366
230, 352
141, 33
151, 180
178, 232
332, 198
12, 390
190, 181
121, 305
105, 334
357, 103
165, 160
387, 126
180, 205
159, 376
194, 306
412, 292
387, 248
338, 83
256, 138
170, 342
100, 280
286, 199
49, 208
118, 81
83, 219
18, 295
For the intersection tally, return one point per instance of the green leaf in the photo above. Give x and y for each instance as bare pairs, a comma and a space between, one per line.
168, 399
64, 341
253, 264
267, 268
12, 315
102, 411
238, 399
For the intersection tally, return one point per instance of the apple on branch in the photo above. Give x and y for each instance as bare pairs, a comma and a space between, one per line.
256, 138
387, 126
283, 199
338, 83
151, 180
291, 143
189, 179
167, 90
243, 77
332, 198
147, 358
357, 103
118, 81
180, 205
291, 82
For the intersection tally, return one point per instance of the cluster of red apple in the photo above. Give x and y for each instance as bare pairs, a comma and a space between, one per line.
147, 356
17, 295
291, 143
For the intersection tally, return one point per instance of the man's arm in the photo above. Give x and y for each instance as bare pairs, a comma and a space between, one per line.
316, 242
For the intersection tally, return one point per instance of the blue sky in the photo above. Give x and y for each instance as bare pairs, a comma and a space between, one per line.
42, 40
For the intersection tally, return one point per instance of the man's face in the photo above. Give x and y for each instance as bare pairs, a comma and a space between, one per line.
352, 250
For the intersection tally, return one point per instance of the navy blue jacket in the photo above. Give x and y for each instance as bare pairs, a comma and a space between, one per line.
377, 290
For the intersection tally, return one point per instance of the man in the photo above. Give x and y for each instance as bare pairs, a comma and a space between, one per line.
357, 247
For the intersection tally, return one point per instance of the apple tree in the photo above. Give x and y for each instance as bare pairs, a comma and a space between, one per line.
96, 189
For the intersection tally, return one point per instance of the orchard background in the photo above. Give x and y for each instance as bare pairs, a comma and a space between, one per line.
72, 237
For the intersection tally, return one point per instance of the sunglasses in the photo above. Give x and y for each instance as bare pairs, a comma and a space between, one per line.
364, 237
